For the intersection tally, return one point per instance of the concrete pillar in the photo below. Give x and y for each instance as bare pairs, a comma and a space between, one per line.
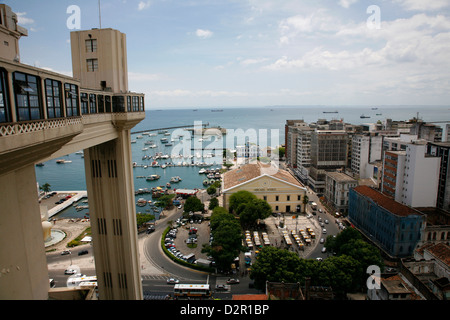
110, 187
23, 264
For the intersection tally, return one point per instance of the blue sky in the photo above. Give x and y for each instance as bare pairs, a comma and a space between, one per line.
219, 53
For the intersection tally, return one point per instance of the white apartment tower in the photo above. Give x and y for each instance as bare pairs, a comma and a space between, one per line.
411, 176
366, 149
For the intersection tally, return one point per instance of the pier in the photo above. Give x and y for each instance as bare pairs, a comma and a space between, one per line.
54, 208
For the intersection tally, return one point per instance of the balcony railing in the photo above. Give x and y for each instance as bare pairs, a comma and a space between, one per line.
8, 129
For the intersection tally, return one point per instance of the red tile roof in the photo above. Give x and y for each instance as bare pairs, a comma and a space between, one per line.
441, 251
386, 202
250, 171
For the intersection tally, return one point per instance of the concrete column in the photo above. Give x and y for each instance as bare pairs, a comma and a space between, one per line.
110, 187
23, 264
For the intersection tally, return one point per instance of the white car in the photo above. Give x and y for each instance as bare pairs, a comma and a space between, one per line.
70, 271
173, 281
324, 230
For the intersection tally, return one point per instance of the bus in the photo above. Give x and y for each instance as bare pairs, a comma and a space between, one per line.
77, 281
192, 291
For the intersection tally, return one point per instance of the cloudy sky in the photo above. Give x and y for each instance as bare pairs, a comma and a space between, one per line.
219, 53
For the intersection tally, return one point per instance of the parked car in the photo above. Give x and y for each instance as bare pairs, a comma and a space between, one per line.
221, 287
63, 253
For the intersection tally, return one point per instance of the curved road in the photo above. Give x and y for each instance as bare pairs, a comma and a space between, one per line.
155, 255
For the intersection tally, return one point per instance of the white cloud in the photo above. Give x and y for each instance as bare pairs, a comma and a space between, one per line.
144, 5
24, 20
301, 26
203, 34
248, 62
346, 3
423, 5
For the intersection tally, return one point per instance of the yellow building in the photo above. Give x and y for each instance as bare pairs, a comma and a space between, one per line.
278, 187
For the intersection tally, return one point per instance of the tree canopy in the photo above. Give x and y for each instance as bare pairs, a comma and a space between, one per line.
193, 204
238, 198
344, 272
248, 207
227, 238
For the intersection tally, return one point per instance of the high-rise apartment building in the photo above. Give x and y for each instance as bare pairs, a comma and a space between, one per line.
291, 134
442, 150
366, 149
411, 176
329, 150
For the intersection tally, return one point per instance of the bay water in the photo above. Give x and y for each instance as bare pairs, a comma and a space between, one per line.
262, 125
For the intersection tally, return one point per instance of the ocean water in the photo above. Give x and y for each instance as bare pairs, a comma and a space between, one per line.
262, 125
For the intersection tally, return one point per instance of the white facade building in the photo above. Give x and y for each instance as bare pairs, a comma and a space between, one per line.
366, 149
411, 176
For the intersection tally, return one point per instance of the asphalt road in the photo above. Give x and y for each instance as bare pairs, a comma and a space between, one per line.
155, 284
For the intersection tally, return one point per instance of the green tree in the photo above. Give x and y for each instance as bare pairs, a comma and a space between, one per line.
219, 216
252, 211
165, 201
351, 244
227, 236
142, 218
211, 190
305, 202
337, 272
193, 204
239, 198
281, 152
213, 203
45, 187
275, 265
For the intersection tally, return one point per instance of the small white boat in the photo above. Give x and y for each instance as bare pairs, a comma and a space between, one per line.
62, 161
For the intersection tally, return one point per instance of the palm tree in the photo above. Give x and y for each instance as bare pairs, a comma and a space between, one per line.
305, 202
45, 187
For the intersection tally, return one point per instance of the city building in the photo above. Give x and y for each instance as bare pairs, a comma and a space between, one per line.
442, 150
411, 176
337, 188
290, 137
429, 270
278, 187
393, 287
366, 151
328, 153
394, 227
45, 115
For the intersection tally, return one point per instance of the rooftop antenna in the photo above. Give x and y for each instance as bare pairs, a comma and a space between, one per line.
99, 14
